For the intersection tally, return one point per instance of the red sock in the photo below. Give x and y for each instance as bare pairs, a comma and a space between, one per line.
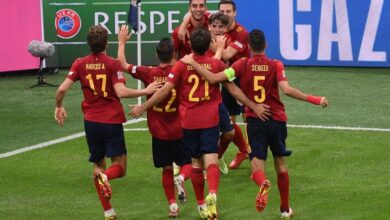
239, 140
213, 175
223, 146
168, 185
185, 171
283, 185
197, 180
113, 172
105, 203
259, 177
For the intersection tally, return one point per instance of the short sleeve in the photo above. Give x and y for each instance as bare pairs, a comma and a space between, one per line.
175, 39
241, 41
117, 75
74, 73
239, 67
280, 71
139, 72
176, 73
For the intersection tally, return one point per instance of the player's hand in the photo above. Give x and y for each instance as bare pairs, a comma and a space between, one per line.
153, 87
136, 111
220, 41
124, 34
182, 33
187, 59
262, 111
60, 115
324, 102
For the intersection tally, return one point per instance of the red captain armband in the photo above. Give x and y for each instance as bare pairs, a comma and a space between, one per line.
316, 100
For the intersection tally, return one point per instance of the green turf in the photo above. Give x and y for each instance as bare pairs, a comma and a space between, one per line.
334, 175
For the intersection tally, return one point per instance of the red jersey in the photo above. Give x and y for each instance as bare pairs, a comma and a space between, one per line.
259, 77
237, 38
199, 100
184, 48
163, 119
98, 73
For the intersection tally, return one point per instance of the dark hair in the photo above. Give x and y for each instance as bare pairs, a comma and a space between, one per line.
257, 40
164, 50
97, 38
219, 17
230, 2
200, 40
190, 1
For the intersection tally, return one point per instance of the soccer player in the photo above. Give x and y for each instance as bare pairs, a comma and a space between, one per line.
236, 48
261, 78
198, 18
103, 83
199, 102
163, 120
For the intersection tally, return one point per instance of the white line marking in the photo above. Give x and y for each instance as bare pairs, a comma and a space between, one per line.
110, 42
81, 134
60, 4
147, 3
56, 141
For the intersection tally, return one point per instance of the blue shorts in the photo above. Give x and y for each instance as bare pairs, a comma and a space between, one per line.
225, 123
201, 141
104, 140
263, 134
231, 104
166, 152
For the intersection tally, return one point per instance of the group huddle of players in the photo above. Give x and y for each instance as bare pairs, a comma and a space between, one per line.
192, 122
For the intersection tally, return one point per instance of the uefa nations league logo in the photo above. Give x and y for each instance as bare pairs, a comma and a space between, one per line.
68, 23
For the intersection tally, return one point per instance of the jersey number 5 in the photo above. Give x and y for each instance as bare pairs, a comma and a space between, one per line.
196, 80
102, 77
258, 87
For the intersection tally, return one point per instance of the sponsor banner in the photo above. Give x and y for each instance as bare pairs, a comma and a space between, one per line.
299, 32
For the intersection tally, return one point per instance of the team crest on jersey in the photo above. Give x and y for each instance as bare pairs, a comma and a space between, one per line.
68, 23
239, 29
171, 75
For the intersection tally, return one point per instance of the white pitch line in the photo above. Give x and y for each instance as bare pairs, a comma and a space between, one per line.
74, 136
56, 141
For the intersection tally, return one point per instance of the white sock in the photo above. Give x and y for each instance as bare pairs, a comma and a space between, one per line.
109, 212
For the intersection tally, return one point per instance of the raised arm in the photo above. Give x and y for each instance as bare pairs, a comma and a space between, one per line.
261, 110
209, 76
298, 94
123, 37
157, 97
183, 32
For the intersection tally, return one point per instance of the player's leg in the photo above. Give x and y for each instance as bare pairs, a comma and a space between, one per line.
115, 148
96, 147
209, 147
191, 146
257, 135
181, 158
227, 130
242, 145
279, 151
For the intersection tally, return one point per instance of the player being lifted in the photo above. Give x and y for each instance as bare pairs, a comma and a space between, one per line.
102, 82
163, 120
260, 79
198, 110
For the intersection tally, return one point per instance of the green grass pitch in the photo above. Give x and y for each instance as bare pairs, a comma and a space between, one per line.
334, 174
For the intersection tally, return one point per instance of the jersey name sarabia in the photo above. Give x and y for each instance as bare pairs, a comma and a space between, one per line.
259, 77
199, 100
163, 119
98, 73
184, 48
237, 38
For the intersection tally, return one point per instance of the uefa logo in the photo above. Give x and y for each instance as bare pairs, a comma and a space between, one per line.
68, 23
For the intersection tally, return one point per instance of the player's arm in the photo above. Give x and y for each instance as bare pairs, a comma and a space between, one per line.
123, 37
298, 94
157, 97
60, 112
183, 32
228, 53
209, 76
123, 92
220, 44
261, 110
